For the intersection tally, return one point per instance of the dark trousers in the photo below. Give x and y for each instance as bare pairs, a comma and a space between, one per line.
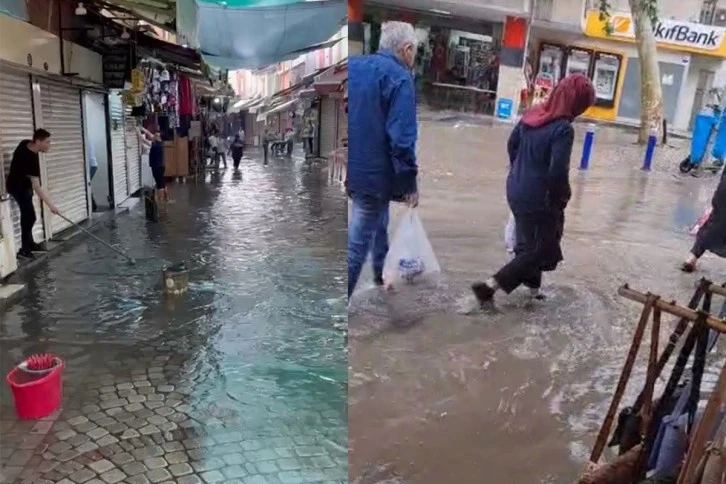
712, 236
289, 147
236, 159
27, 217
265, 150
537, 250
93, 171
309, 146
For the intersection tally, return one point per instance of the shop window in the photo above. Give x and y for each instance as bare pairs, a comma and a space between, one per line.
603, 68
605, 78
551, 60
578, 62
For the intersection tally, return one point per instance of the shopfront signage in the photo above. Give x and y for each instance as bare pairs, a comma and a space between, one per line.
669, 34
116, 68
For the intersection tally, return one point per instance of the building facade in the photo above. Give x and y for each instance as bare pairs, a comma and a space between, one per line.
482, 55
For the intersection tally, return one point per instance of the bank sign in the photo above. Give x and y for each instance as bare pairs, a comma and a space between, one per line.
669, 34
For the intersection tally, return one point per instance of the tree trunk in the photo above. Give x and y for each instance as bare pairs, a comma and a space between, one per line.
651, 97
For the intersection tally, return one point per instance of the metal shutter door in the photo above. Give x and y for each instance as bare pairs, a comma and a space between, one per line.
16, 124
342, 124
133, 155
327, 127
118, 148
65, 161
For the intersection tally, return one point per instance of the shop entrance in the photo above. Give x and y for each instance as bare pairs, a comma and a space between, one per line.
95, 137
457, 70
457, 64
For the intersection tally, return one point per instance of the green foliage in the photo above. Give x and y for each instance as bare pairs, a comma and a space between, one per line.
647, 7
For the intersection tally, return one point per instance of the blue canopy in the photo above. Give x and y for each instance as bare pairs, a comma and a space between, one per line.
251, 37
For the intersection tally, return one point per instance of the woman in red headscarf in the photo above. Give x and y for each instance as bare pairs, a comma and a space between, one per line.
538, 186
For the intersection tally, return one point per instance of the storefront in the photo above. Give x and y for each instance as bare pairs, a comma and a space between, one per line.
117, 137
133, 151
65, 163
16, 124
457, 65
329, 87
687, 54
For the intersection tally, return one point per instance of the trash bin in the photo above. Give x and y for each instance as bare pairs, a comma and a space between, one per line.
176, 279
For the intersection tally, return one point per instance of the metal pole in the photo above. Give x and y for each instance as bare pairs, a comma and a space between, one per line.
88, 232
587, 147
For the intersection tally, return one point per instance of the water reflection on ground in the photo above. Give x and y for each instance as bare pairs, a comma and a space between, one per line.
515, 395
244, 377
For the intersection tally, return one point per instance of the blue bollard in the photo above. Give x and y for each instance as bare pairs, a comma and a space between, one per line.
587, 147
650, 150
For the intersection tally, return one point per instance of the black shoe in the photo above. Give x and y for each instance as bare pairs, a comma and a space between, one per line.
36, 247
378, 281
26, 254
484, 294
688, 267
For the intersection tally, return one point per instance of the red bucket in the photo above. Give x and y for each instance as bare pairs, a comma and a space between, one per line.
37, 394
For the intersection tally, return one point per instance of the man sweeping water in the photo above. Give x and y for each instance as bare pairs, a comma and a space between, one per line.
24, 179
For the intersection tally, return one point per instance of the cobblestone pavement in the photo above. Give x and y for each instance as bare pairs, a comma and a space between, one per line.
204, 389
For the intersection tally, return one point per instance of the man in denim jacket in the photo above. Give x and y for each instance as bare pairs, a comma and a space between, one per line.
382, 136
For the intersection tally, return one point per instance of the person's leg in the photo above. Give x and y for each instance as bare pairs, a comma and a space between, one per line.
708, 236
523, 267
364, 221
236, 160
265, 150
27, 221
380, 244
224, 159
93, 171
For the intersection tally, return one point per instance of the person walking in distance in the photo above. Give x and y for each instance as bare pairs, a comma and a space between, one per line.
237, 148
92, 169
382, 134
24, 179
309, 137
538, 187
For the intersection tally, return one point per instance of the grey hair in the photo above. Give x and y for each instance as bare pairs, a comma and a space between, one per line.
395, 35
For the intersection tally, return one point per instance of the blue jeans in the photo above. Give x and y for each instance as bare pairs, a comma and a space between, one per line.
368, 226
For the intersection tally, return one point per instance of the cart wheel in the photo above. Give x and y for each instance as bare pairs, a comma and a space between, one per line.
686, 165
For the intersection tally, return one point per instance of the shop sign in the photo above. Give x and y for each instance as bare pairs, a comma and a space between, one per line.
669, 34
116, 68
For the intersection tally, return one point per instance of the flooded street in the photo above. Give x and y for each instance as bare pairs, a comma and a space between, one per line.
515, 396
242, 379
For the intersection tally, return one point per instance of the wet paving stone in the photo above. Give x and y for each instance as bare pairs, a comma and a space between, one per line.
145, 410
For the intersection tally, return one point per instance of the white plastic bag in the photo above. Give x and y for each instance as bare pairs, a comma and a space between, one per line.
510, 234
410, 257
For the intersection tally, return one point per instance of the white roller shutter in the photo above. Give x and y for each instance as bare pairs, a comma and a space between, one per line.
342, 124
328, 131
16, 125
65, 162
118, 148
133, 155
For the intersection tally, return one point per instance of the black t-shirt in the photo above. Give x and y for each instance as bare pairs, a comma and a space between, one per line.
25, 164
